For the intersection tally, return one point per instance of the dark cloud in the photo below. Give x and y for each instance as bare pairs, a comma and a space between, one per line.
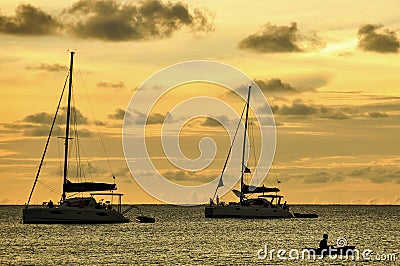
211, 122
29, 20
138, 117
338, 115
372, 174
118, 115
39, 118
275, 86
31, 130
42, 130
38, 124
109, 20
38, 131
376, 174
375, 38
105, 84
113, 21
76, 116
188, 176
99, 123
48, 67
378, 115
280, 39
156, 118
300, 109
322, 177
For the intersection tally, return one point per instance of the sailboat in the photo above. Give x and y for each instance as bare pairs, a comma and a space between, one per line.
263, 206
83, 209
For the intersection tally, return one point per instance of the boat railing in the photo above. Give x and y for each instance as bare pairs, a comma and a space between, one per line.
118, 195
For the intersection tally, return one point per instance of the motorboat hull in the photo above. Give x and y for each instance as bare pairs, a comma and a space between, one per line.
69, 215
239, 211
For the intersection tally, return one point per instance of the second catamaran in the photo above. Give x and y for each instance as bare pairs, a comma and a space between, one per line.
263, 206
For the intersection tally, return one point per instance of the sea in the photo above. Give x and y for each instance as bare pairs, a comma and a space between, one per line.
182, 236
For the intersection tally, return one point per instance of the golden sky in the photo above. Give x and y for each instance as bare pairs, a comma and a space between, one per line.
330, 71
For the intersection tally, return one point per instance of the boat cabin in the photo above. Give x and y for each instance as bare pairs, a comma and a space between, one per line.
79, 203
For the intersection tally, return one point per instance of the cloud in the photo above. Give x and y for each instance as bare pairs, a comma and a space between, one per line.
377, 175
300, 109
332, 113
188, 176
119, 114
211, 122
39, 118
38, 124
378, 115
76, 116
29, 20
138, 117
322, 177
375, 38
30, 130
105, 84
48, 67
110, 20
275, 86
280, 39
99, 123
156, 118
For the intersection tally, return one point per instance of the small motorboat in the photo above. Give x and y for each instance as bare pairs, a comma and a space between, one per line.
305, 215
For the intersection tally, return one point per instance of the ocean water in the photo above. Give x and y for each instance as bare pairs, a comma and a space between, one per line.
182, 236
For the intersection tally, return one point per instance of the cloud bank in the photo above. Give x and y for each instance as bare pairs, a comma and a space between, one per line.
108, 20
29, 20
280, 39
376, 38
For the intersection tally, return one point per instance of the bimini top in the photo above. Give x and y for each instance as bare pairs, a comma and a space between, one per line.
252, 189
88, 186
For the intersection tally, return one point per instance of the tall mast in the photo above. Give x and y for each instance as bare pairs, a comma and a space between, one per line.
67, 126
244, 144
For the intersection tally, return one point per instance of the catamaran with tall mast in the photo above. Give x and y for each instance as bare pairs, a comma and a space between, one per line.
83, 209
264, 206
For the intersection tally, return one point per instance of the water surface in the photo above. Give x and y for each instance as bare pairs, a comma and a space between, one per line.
181, 235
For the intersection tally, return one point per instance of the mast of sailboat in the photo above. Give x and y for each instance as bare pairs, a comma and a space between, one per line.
67, 126
244, 145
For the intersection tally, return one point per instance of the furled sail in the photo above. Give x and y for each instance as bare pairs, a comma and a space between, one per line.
88, 186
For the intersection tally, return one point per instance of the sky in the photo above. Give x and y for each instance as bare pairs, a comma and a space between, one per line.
329, 71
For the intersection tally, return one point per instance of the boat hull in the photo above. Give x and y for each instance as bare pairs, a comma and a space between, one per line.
71, 216
238, 211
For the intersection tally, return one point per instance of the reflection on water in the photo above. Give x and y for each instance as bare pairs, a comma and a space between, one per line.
182, 235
